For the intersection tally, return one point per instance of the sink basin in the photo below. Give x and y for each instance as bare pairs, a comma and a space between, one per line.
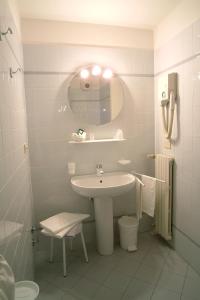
108, 184
102, 189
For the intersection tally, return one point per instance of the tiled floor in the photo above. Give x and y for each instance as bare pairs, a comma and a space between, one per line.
153, 272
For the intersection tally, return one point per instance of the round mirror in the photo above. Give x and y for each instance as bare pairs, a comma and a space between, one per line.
95, 95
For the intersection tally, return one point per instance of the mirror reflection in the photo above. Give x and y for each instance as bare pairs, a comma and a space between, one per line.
95, 95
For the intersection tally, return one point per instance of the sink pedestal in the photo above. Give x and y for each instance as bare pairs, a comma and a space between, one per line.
103, 207
102, 189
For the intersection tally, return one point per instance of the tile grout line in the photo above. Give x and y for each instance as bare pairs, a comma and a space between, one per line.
140, 264
103, 283
100, 285
185, 277
175, 65
159, 277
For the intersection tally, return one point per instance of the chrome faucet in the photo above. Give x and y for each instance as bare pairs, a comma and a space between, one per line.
99, 169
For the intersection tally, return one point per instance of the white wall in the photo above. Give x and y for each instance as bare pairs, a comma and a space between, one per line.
183, 15
48, 68
181, 54
15, 184
55, 32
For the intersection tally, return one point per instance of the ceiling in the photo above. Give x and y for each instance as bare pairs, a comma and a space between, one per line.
128, 13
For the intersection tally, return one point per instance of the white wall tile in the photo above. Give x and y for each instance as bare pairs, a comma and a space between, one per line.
50, 128
186, 148
196, 37
15, 184
174, 51
56, 58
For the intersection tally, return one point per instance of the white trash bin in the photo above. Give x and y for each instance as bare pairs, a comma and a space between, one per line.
26, 290
128, 229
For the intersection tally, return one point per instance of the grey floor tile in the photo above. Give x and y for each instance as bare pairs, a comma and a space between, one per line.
127, 267
85, 289
109, 261
79, 267
135, 255
175, 263
148, 274
123, 275
105, 293
153, 259
138, 255
49, 292
193, 274
98, 273
171, 281
117, 280
65, 283
163, 294
69, 296
48, 271
160, 249
178, 268
138, 290
120, 252
191, 289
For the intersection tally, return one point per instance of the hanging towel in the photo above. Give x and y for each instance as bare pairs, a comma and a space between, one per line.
138, 199
61, 221
148, 195
7, 281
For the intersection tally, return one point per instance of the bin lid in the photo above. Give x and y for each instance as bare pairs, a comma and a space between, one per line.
128, 221
26, 290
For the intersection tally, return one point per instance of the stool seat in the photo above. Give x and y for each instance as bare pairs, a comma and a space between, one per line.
70, 231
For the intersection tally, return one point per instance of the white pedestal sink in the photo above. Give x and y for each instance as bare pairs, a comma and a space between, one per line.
102, 189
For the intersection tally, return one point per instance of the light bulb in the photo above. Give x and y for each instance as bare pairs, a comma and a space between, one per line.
108, 73
84, 73
96, 70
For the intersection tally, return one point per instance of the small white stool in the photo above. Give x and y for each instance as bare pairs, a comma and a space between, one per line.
70, 232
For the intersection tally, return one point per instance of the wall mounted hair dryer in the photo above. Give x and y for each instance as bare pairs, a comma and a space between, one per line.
168, 101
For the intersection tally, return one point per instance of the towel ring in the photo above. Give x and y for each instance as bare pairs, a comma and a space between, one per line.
9, 30
14, 72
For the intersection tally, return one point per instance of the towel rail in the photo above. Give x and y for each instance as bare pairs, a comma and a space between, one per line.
135, 173
140, 181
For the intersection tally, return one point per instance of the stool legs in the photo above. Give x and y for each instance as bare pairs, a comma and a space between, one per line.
64, 250
51, 249
84, 246
64, 258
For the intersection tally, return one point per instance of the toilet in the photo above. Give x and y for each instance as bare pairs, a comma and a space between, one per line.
21, 290
26, 290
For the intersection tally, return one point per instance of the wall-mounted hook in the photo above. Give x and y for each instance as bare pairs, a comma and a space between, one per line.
9, 30
14, 72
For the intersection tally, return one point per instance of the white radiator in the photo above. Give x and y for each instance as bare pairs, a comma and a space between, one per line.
163, 210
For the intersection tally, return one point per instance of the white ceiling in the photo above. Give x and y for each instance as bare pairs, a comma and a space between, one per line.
128, 13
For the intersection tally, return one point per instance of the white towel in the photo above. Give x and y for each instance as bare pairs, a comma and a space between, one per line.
7, 281
138, 199
70, 231
148, 195
61, 221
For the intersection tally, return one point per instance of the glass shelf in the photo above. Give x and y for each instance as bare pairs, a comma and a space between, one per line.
97, 141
